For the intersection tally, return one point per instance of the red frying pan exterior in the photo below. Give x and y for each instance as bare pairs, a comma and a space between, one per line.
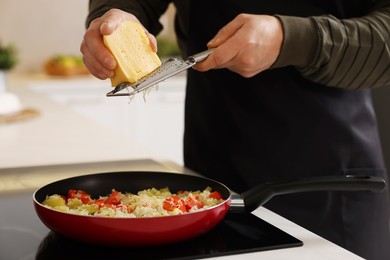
131, 231
169, 229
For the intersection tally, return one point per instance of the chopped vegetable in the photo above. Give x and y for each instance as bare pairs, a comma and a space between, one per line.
216, 195
174, 202
147, 203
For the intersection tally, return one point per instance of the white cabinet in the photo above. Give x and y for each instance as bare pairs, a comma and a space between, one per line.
156, 120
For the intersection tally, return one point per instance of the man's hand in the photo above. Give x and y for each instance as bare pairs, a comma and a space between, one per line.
248, 45
97, 58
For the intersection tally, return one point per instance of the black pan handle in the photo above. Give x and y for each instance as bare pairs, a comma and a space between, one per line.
260, 194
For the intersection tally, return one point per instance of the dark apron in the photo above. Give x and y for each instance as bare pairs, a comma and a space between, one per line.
278, 125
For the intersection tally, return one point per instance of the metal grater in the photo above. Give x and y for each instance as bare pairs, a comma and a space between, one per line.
166, 70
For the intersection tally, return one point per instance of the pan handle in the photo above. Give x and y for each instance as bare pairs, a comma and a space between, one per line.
260, 194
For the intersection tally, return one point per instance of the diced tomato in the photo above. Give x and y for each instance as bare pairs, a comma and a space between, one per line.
114, 198
174, 202
79, 194
215, 195
98, 202
193, 201
72, 194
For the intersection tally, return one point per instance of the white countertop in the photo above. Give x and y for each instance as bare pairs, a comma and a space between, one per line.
60, 136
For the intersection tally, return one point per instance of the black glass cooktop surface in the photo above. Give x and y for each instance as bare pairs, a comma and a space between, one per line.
237, 233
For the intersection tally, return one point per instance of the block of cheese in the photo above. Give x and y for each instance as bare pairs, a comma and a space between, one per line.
130, 46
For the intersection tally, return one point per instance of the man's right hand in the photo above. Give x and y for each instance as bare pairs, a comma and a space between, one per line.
97, 58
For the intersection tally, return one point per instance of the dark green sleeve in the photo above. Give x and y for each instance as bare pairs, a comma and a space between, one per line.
351, 53
147, 11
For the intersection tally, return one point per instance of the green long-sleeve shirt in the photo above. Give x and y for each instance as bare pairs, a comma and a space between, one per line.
352, 53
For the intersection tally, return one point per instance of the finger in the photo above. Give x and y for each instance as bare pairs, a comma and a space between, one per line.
93, 44
98, 72
220, 57
108, 27
93, 65
93, 47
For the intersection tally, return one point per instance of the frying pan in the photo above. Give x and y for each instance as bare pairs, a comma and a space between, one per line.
170, 229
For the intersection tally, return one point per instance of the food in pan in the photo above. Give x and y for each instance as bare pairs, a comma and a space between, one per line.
146, 203
130, 46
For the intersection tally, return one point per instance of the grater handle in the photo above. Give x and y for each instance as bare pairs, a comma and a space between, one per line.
200, 56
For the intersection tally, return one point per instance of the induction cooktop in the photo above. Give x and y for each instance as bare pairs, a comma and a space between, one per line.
237, 233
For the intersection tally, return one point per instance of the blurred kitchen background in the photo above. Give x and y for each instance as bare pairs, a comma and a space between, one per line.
43, 28
40, 29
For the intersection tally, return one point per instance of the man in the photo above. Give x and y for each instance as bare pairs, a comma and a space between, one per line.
284, 94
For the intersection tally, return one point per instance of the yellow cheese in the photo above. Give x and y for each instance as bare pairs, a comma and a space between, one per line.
131, 48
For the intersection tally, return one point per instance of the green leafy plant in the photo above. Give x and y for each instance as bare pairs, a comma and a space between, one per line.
7, 57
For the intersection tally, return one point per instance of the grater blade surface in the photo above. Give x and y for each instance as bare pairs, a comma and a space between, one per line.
167, 69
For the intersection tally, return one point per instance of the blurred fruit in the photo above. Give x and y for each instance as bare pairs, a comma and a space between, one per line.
65, 65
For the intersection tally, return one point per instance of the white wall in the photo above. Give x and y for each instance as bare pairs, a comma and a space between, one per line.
41, 28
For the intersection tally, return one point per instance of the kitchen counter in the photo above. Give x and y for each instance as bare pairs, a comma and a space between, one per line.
58, 135
61, 143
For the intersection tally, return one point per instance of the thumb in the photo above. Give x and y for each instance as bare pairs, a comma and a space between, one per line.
112, 19
152, 41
